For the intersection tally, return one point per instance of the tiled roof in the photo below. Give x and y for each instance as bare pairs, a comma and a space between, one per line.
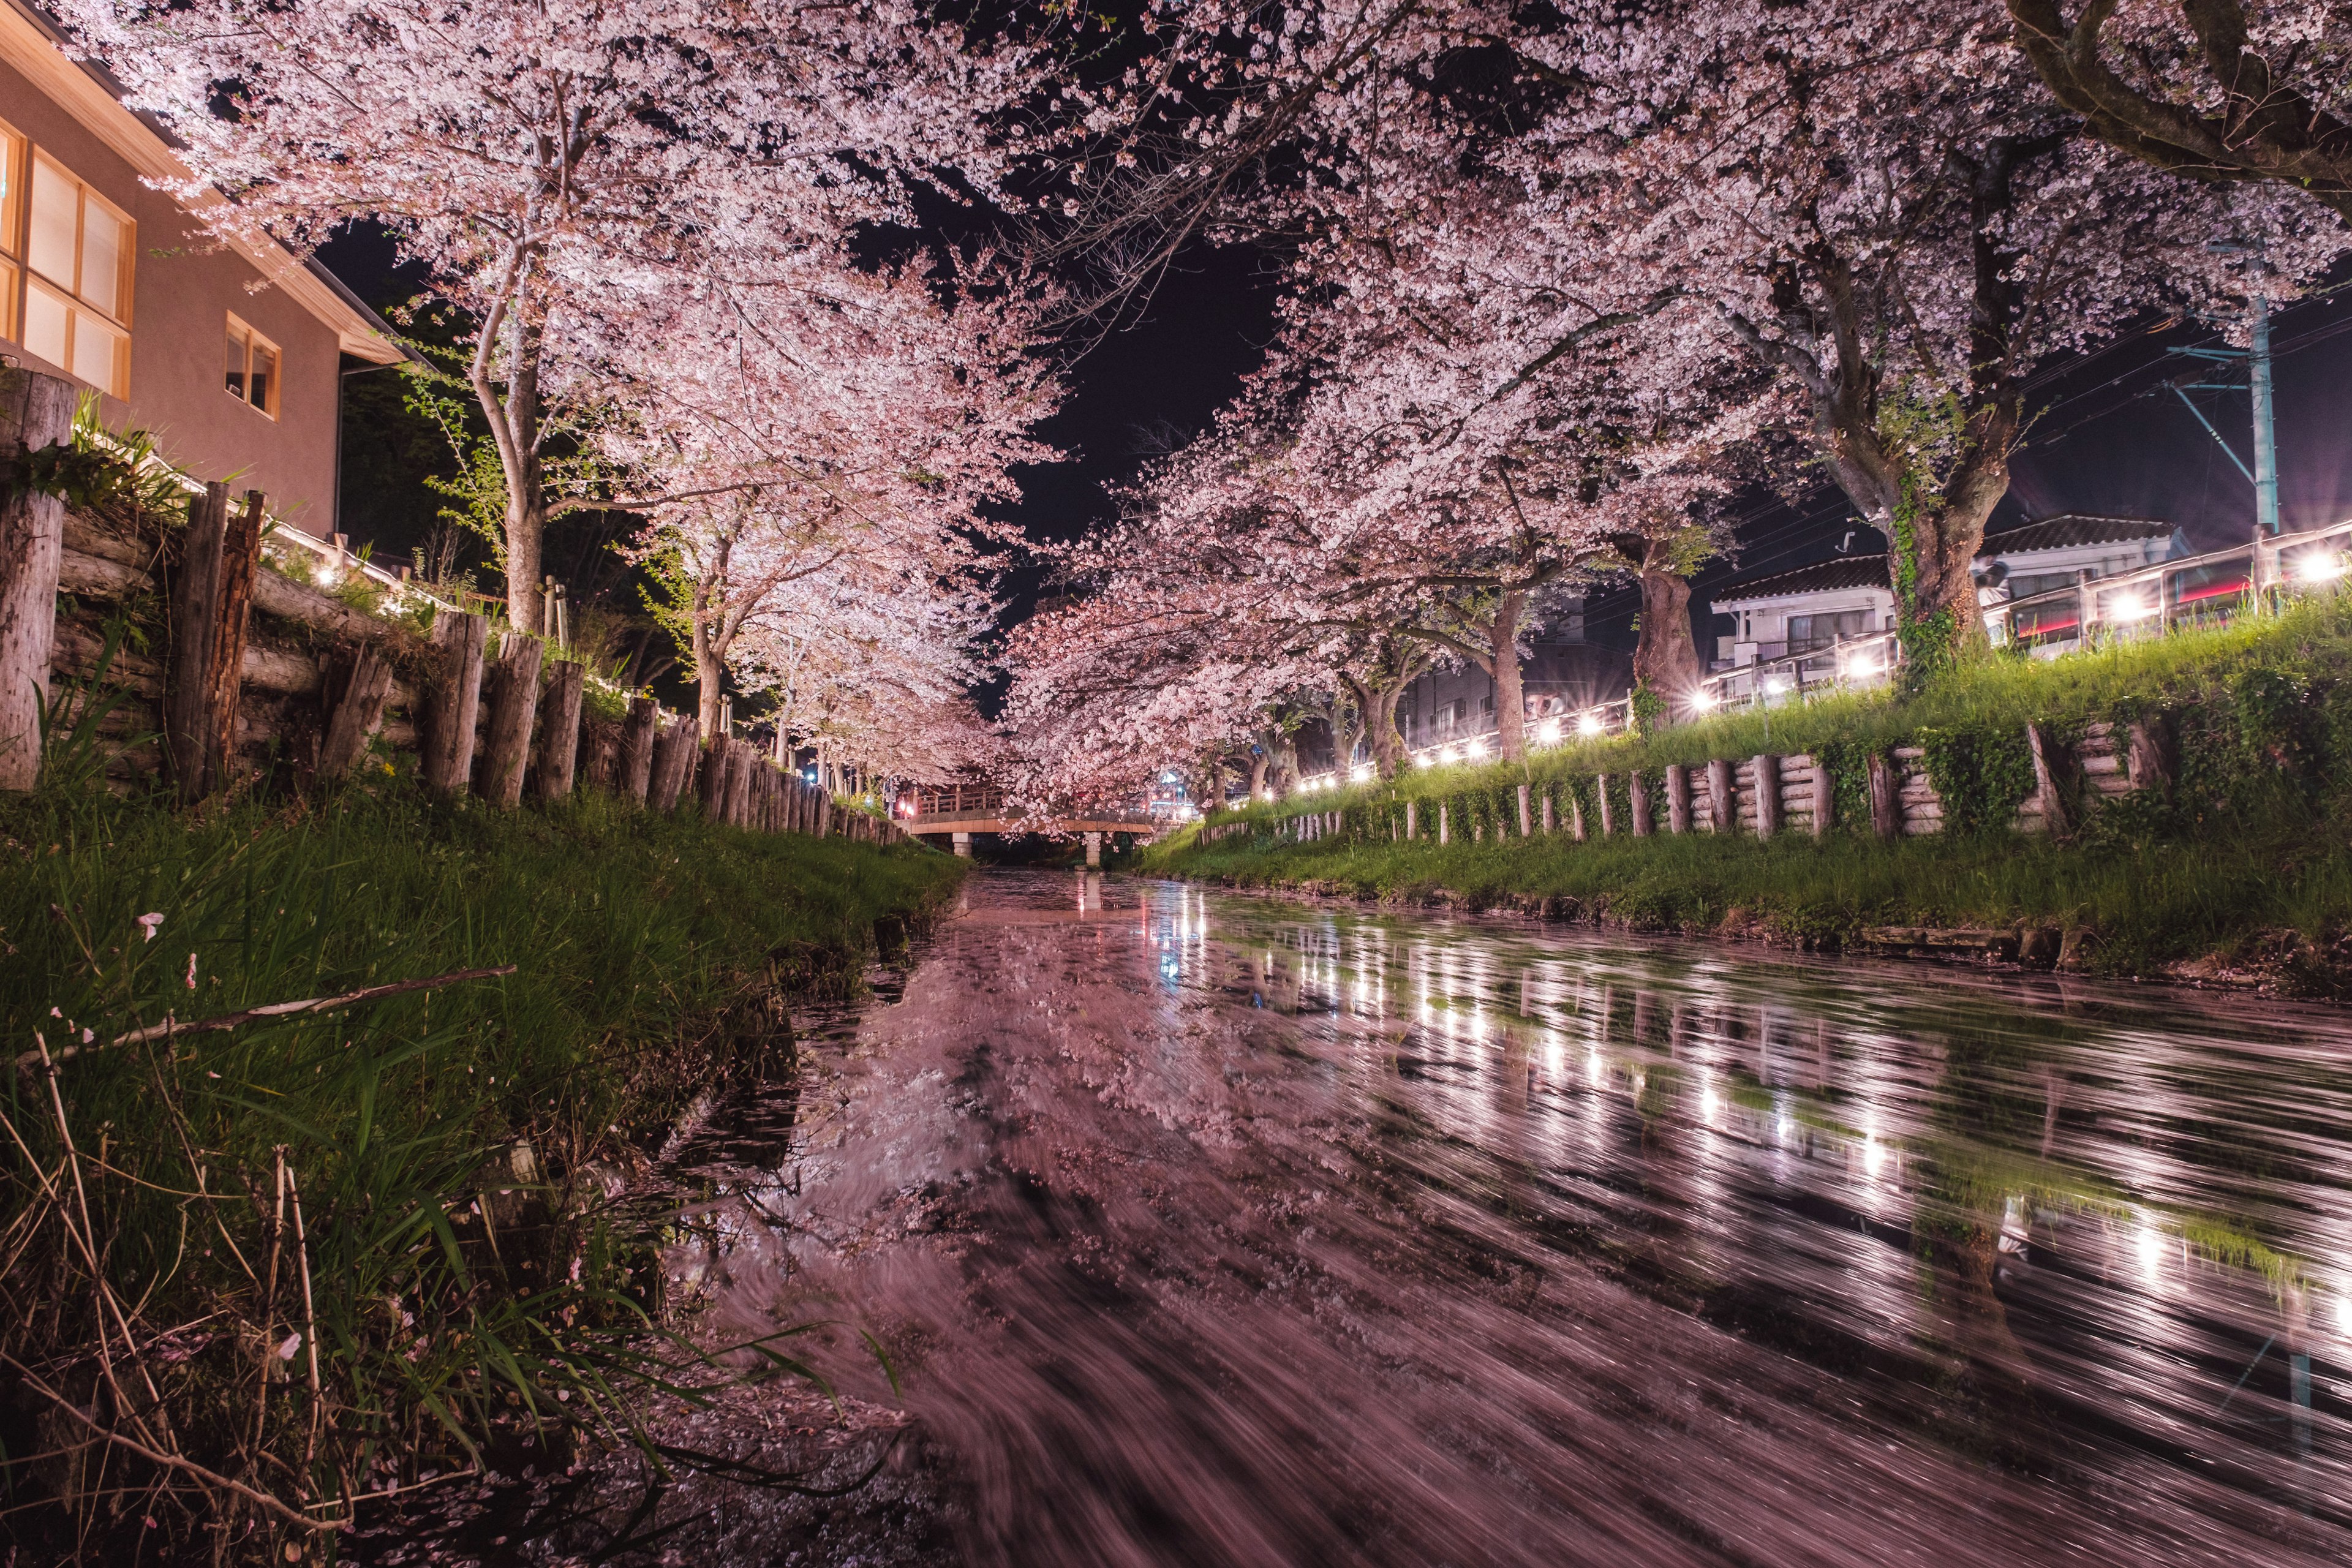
2070, 529
1838, 573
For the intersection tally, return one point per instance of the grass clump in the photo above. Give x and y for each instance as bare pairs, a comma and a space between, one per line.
251, 1277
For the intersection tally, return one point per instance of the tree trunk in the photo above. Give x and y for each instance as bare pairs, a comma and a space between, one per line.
35, 412
1387, 743
1666, 660
514, 703
559, 730
710, 674
1510, 702
195, 595
1259, 763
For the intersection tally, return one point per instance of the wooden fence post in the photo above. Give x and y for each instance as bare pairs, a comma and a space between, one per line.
1575, 816
1638, 797
2048, 783
35, 412
240, 556
1677, 798
1549, 822
1767, 795
637, 749
1885, 798
514, 702
559, 730
195, 594
1824, 797
455, 704
1608, 815
710, 789
2148, 759
1527, 827
674, 755
358, 711
1722, 805
1412, 819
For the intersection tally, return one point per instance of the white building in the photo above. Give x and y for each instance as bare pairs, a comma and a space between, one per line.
1811, 608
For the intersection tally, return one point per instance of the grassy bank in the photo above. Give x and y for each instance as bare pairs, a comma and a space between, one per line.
2243, 863
310, 1257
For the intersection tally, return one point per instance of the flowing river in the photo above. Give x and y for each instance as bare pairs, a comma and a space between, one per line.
1205, 1229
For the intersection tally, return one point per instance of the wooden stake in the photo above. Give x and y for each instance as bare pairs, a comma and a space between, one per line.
1637, 795
637, 749
456, 701
357, 714
1678, 801
1824, 798
35, 412
559, 729
2047, 784
1767, 795
196, 596
514, 704
240, 557
1722, 809
673, 753
1608, 815
1885, 798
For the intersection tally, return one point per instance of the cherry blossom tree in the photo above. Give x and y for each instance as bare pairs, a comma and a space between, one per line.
553, 161
853, 428
2204, 89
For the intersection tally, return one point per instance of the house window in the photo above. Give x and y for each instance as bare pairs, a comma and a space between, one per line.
12, 150
1807, 632
77, 255
252, 368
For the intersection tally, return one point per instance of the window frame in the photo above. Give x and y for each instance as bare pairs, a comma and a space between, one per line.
15, 192
116, 321
239, 326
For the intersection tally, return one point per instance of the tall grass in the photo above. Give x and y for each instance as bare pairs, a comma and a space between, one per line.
250, 1277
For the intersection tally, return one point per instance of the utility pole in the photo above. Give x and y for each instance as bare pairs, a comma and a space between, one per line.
2258, 367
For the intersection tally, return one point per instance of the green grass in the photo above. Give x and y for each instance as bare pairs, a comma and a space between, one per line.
337, 1176
2252, 841
2312, 636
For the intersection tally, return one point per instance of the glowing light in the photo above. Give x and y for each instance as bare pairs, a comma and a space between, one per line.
1477, 748
1450, 755
1702, 700
1776, 685
1863, 664
2149, 1245
2128, 607
1593, 1069
1708, 1104
1548, 731
1874, 1155
1425, 761
1588, 725
1362, 772
2319, 568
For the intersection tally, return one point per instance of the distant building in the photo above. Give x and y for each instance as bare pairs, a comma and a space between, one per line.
1561, 674
1806, 609
231, 354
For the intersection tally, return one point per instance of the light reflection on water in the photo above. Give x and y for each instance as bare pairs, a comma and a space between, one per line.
1211, 1229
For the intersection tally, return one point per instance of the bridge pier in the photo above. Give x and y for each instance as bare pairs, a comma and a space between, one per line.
1094, 851
962, 842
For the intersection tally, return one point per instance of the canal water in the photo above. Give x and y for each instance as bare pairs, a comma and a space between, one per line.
1201, 1228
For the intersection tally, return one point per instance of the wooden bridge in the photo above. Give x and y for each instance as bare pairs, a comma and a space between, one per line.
961, 810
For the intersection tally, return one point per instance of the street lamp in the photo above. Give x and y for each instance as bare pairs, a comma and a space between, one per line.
1548, 731
1589, 724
